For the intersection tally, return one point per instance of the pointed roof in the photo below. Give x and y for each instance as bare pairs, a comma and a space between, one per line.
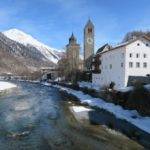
72, 38
89, 23
101, 49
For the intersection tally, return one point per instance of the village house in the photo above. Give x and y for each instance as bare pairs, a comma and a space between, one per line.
120, 63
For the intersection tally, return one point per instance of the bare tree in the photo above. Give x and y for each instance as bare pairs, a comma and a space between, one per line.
131, 35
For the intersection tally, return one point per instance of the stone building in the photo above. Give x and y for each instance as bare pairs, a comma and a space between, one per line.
72, 51
88, 45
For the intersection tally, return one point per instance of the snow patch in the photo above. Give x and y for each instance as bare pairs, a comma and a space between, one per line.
130, 88
81, 113
6, 85
80, 109
89, 85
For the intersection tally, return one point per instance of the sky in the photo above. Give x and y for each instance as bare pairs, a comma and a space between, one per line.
53, 21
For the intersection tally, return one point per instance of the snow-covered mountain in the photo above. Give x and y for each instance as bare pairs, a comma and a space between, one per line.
27, 40
18, 59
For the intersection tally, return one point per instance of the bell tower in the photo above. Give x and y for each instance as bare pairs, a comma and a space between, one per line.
72, 50
88, 45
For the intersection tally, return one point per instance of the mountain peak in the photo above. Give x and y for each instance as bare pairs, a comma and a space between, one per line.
15, 31
21, 37
26, 39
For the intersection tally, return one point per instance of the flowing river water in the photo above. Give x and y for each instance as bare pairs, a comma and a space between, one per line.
37, 117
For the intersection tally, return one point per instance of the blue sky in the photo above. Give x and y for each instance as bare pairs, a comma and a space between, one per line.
52, 21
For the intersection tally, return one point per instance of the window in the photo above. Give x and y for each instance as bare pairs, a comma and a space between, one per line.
121, 64
137, 55
147, 44
144, 65
110, 66
137, 65
144, 55
122, 55
130, 54
130, 64
89, 30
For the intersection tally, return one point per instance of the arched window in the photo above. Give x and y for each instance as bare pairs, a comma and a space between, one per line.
89, 30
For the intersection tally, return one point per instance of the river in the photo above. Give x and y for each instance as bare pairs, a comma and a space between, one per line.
37, 117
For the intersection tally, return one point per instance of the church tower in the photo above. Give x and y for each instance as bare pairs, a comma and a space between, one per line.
88, 45
73, 50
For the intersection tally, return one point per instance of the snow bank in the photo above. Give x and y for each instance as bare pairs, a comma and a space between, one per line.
80, 112
131, 116
80, 109
6, 85
126, 89
130, 88
89, 85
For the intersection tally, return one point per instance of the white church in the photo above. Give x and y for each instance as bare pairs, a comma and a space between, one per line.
117, 64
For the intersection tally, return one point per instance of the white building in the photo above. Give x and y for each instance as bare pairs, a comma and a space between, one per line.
116, 64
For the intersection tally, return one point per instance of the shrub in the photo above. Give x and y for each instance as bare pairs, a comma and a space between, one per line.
112, 85
85, 90
75, 87
139, 99
134, 134
111, 125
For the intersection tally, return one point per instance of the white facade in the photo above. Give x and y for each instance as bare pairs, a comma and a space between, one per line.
117, 64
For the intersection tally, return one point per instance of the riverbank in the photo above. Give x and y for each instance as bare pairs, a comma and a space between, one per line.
131, 116
100, 133
128, 122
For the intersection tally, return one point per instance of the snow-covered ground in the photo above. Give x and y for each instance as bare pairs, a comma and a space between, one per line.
89, 85
131, 116
80, 112
80, 109
6, 85
97, 87
130, 88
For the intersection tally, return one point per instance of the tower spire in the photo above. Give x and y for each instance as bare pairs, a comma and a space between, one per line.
72, 39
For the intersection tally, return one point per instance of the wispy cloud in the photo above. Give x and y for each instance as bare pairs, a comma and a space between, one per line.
52, 21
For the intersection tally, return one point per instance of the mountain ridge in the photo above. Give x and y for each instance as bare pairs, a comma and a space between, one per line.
27, 40
18, 59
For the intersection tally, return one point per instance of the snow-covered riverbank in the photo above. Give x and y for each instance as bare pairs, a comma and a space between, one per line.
6, 86
90, 85
131, 116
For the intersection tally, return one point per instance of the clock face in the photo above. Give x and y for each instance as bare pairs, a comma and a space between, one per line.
89, 40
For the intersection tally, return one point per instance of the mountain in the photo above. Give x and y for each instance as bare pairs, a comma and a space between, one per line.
28, 41
18, 59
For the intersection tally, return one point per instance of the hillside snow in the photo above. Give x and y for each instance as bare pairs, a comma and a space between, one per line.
27, 40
